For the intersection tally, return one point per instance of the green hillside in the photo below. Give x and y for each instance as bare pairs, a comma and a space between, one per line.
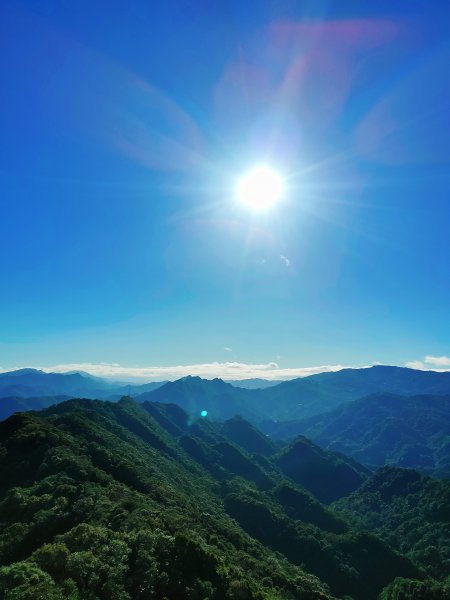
409, 511
405, 431
101, 500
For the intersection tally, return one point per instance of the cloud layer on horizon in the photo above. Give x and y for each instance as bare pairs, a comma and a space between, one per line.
431, 363
224, 370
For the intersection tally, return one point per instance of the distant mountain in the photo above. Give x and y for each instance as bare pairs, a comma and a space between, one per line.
298, 398
252, 384
193, 394
384, 378
134, 389
383, 429
301, 398
12, 404
27, 383
285, 401
34, 385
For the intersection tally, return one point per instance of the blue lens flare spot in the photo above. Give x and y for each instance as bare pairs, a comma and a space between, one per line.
204, 413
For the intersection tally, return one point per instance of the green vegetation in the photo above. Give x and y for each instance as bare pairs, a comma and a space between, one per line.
99, 502
351, 563
122, 501
248, 437
327, 475
409, 511
407, 589
405, 431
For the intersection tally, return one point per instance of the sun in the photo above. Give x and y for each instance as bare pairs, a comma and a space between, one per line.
260, 188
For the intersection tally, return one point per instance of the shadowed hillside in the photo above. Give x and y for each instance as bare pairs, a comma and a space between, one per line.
405, 431
103, 500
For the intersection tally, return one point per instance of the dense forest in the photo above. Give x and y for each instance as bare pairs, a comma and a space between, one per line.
383, 429
103, 500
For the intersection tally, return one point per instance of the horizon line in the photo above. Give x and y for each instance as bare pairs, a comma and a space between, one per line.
234, 371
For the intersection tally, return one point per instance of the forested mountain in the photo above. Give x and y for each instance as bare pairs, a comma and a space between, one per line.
104, 500
193, 394
98, 501
327, 475
409, 511
383, 429
316, 394
384, 378
248, 437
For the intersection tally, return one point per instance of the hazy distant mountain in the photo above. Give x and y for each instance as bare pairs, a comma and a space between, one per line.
32, 382
252, 384
286, 401
12, 404
383, 378
33, 385
383, 429
135, 389
298, 398
193, 394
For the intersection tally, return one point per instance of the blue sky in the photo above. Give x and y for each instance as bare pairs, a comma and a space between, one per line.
125, 127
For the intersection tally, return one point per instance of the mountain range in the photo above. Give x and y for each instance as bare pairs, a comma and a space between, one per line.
382, 429
34, 383
120, 500
379, 415
288, 400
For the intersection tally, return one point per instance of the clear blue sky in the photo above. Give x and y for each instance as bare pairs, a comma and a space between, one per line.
124, 129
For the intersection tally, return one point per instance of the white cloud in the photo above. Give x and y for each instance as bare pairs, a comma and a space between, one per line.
224, 370
228, 349
415, 364
430, 363
438, 361
285, 259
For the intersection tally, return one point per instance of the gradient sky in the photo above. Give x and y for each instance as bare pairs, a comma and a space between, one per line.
125, 127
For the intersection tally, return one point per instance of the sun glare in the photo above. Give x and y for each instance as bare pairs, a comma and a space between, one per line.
260, 188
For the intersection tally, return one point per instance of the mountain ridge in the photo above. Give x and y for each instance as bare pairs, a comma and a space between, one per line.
292, 400
382, 429
99, 499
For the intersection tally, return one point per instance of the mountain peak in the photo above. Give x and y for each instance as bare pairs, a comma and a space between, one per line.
24, 371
